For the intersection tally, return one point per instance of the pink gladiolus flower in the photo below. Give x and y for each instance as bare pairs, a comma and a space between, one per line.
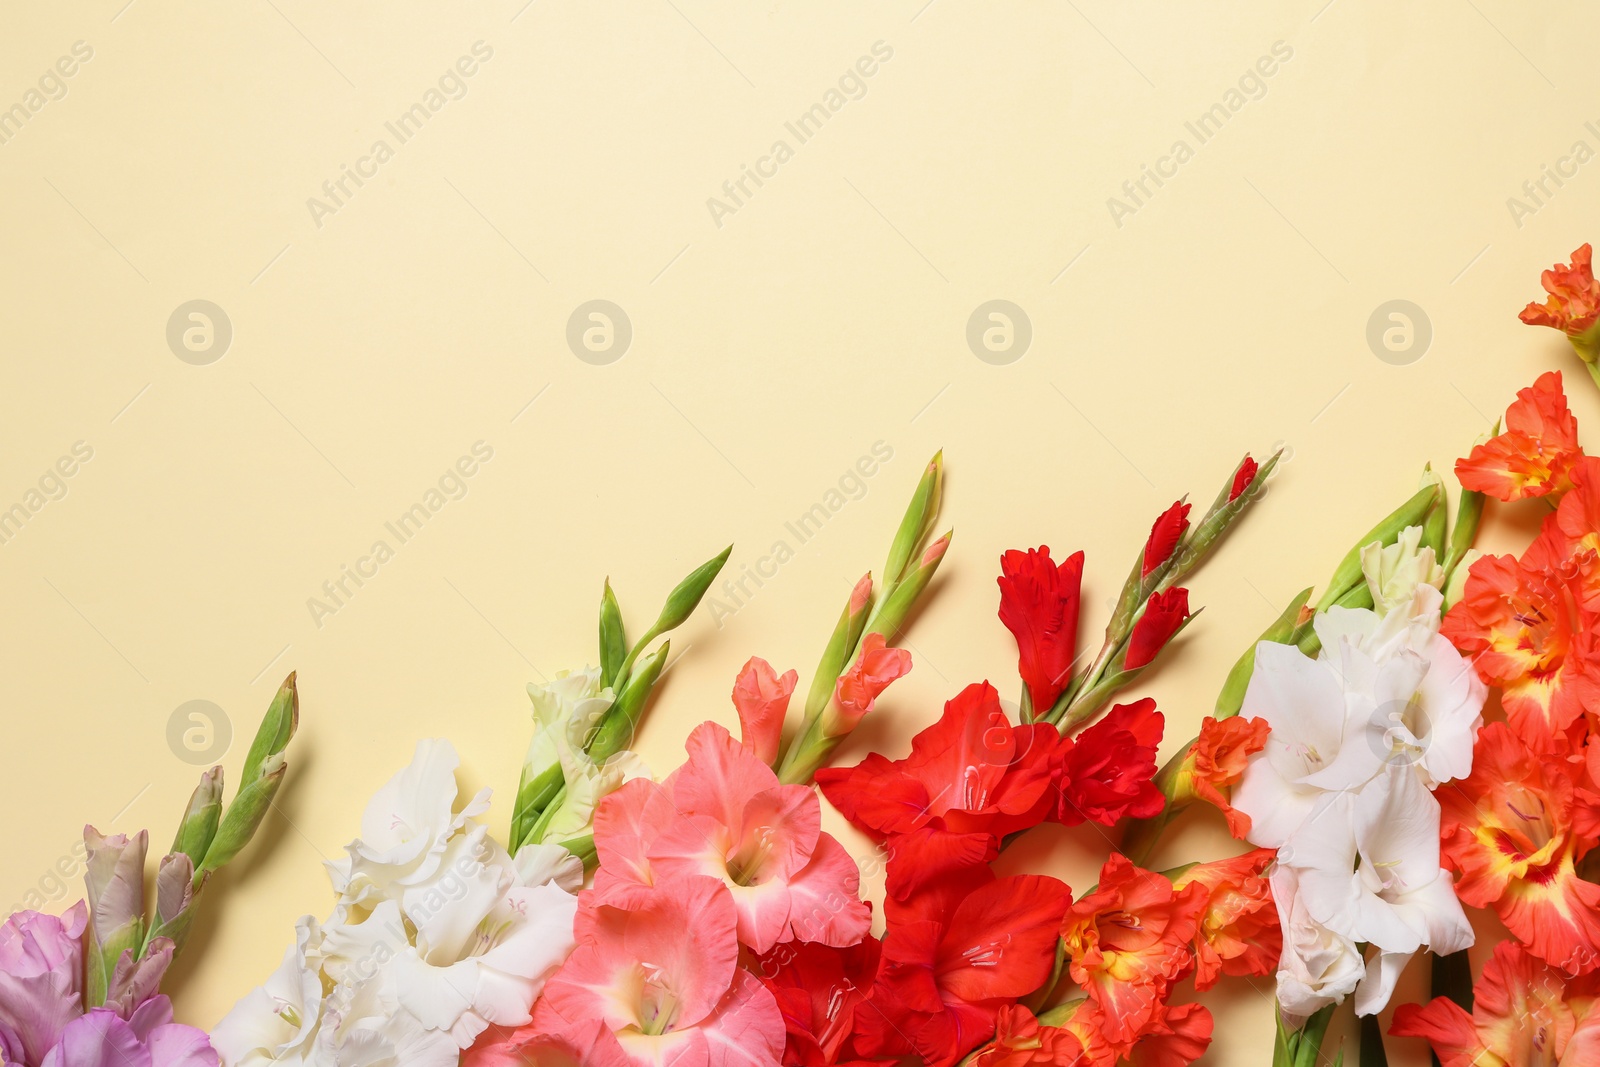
724, 815
586, 1045
761, 696
149, 1038
41, 968
663, 976
860, 686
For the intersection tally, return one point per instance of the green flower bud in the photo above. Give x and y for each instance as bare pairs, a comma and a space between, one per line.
199, 824
613, 638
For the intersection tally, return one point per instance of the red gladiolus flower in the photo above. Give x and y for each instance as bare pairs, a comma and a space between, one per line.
1238, 932
1021, 1040
1217, 762
953, 958
1242, 480
1107, 769
1521, 1009
1164, 536
1574, 302
1129, 943
1535, 455
1528, 632
819, 990
1508, 828
1163, 614
972, 772
1039, 605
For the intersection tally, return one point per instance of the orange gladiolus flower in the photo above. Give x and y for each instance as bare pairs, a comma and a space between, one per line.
1508, 828
1574, 302
1528, 632
1535, 454
1129, 943
1217, 761
1524, 1014
1238, 932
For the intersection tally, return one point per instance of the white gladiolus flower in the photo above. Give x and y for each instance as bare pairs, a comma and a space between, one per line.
1386, 712
437, 935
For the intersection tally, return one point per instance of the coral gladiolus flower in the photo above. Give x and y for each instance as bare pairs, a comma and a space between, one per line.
819, 990
953, 958
1535, 455
1164, 536
1527, 632
1039, 604
1508, 829
1569, 537
860, 686
1238, 932
1218, 759
1107, 769
1524, 1014
723, 814
1574, 302
663, 976
1129, 943
1164, 614
761, 697
970, 772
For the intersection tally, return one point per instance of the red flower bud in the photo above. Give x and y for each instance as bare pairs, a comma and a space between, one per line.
1164, 537
1242, 480
1163, 614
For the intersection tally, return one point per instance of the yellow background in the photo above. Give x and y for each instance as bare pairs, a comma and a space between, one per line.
827, 313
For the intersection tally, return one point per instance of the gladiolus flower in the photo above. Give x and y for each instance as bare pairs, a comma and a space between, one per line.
1535, 455
1508, 829
102, 1038
972, 770
1527, 632
1524, 1014
1218, 759
761, 697
1164, 537
1128, 943
1574, 302
1107, 769
586, 1045
1242, 480
663, 976
41, 979
1021, 1040
819, 990
1164, 614
723, 814
1238, 932
953, 958
1039, 603
860, 686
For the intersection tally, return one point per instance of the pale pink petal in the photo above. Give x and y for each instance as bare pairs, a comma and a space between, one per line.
720, 777
763, 914
678, 935
625, 824
175, 1045
762, 699
823, 900
746, 1030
